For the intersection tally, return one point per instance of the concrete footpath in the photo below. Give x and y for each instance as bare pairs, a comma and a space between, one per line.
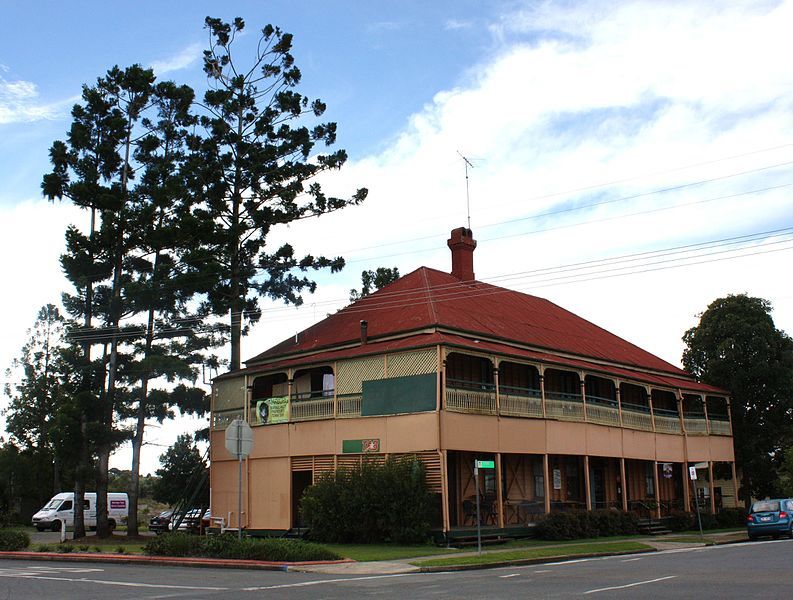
350, 567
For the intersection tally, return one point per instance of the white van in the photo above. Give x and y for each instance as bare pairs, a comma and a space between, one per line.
61, 510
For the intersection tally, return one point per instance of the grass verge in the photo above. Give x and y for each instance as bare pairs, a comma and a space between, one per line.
567, 551
378, 552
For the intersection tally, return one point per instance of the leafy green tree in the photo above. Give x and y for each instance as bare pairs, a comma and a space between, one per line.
181, 465
786, 474
162, 226
83, 168
36, 399
736, 346
255, 170
371, 281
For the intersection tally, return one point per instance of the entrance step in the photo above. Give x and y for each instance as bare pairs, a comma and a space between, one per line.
652, 527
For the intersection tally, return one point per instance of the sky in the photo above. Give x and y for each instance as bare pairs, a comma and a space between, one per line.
631, 161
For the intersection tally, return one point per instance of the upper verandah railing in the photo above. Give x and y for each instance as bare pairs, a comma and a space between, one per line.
481, 398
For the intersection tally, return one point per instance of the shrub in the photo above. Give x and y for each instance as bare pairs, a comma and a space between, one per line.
228, 546
585, 524
174, 544
12, 540
708, 521
680, 520
731, 517
64, 548
371, 503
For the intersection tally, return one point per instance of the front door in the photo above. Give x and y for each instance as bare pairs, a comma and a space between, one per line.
300, 481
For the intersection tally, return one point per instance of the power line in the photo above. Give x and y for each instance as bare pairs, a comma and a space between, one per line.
602, 269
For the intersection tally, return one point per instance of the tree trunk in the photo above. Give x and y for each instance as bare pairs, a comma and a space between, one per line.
81, 472
102, 528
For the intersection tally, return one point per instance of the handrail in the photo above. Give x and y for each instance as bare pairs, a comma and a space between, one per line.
567, 396
520, 391
602, 401
464, 384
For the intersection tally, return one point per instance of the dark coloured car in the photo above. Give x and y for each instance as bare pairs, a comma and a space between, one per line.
195, 520
161, 523
770, 517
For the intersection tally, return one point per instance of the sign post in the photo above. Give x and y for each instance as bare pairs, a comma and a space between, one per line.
480, 464
239, 442
692, 475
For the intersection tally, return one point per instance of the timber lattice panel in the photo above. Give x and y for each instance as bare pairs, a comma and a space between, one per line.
352, 373
405, 364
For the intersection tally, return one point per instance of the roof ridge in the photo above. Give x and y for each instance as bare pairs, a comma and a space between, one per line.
431, 302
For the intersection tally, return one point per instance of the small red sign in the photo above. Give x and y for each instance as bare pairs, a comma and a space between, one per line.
118, 504
370, 445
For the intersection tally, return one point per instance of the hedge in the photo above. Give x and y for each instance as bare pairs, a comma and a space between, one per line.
586, 524
12, 540
228, 546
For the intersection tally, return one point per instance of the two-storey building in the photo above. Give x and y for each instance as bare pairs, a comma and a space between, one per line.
453, 370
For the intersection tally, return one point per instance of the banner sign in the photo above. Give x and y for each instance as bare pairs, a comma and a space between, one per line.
272, 410
667, 470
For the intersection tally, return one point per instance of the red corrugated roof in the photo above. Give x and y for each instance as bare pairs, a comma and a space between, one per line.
423, 340
429, 298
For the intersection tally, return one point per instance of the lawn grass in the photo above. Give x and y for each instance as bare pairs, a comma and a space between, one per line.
566, 551
377, 552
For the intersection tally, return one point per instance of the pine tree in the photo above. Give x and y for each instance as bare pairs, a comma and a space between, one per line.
255, 169
83, 169
162, 227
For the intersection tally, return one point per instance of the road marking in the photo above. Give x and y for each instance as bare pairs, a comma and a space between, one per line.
339, 580
629, 585
544, 571
116, 583
510, 575
632, 559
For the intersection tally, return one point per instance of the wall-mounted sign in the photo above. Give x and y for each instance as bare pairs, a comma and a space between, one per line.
557, 479
272, 410
692, 473
360, 446
667, 470
485, 464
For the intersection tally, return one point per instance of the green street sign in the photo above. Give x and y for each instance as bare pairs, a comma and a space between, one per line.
485, 464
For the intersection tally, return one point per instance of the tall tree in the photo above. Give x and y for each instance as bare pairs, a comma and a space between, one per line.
161, 227
36, 399
83, 169
255, 169
371, 281
736, 346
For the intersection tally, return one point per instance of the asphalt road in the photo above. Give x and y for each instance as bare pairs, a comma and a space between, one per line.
748, 570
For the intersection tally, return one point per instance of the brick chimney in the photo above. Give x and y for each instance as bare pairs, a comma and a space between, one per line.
462, 245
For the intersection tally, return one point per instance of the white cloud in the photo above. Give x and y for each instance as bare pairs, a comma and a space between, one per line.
20, 103
576, 97
181, 60
454, 24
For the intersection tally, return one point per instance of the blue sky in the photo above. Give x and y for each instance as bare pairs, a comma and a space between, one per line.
373, 63
598, 131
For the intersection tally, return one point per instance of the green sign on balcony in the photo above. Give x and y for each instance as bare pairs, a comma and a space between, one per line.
485, 464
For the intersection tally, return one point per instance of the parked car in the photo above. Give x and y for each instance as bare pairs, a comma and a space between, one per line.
161, 523
770, 517
196, 520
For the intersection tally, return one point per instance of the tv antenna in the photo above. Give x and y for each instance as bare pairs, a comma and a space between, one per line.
467, 194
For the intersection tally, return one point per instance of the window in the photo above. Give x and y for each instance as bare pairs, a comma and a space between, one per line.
67, 505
